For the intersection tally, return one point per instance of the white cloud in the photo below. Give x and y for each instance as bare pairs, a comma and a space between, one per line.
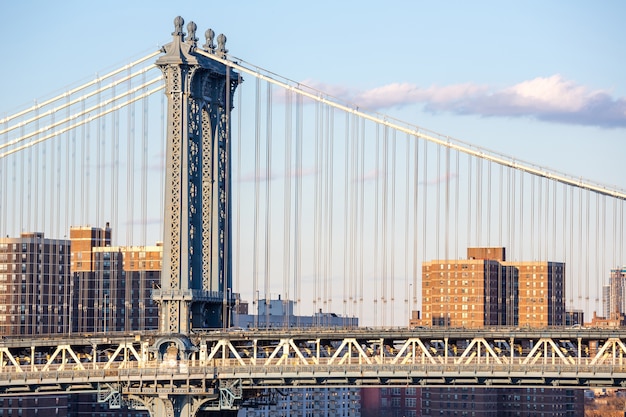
553, 99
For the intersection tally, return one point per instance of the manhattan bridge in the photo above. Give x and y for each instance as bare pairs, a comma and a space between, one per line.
259, 186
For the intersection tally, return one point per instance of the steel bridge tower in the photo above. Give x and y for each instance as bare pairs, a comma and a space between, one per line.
196, 279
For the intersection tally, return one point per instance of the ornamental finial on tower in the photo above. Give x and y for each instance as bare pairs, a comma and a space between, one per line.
178, 27
221, 45
209, 45
191, 28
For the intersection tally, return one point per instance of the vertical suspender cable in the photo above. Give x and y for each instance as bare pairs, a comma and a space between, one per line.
352, 221
587, 238
614, 262
115, 138
392, 242
376, 276
287, 201
501, 204
416, 263
316, 210
446, 180
11, 201
437, 183
489, 217
544, 224
99, 162
479, 202
35, 167
68, 296
510, 209
298, 209
24, 185
4, 174
84, 175
56, 314
621, 230
384, 222
238, 288
329, 215
257, 173
509, 212
470, 241
554, 225
346, 219
543, 228
144, 206
522, 230
438, 178
71, 212
456, 205
597, 257
580, 246
603, 262
268, 200
425, 205
407, 179
533, 256
569, 257
130, 183
361, 217
144, 171
54, 191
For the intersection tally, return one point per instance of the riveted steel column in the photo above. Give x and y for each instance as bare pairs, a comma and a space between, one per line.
196, 269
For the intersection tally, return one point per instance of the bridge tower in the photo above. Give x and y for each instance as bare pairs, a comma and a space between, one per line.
196, 279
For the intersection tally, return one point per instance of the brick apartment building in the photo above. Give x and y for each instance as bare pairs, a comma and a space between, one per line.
82, 286
484, 290
35, 285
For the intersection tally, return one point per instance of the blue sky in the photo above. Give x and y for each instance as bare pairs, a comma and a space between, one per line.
541, 81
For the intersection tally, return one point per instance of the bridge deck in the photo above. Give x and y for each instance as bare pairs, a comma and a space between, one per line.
314, 357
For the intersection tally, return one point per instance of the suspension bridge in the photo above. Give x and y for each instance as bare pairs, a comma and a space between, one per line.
258, 187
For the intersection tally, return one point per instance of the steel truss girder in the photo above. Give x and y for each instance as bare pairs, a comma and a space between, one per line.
312, 357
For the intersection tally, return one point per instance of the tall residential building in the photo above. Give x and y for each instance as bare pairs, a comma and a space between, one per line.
615, 304
606, 300
476, 292
35, 287
541, 293
309, 402
487, 290
391, 401
112, 284
540, 402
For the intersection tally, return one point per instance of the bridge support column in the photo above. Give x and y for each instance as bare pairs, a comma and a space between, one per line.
179, 406
217, 401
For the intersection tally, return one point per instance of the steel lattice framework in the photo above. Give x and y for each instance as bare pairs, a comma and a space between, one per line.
217, 368
196, 257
